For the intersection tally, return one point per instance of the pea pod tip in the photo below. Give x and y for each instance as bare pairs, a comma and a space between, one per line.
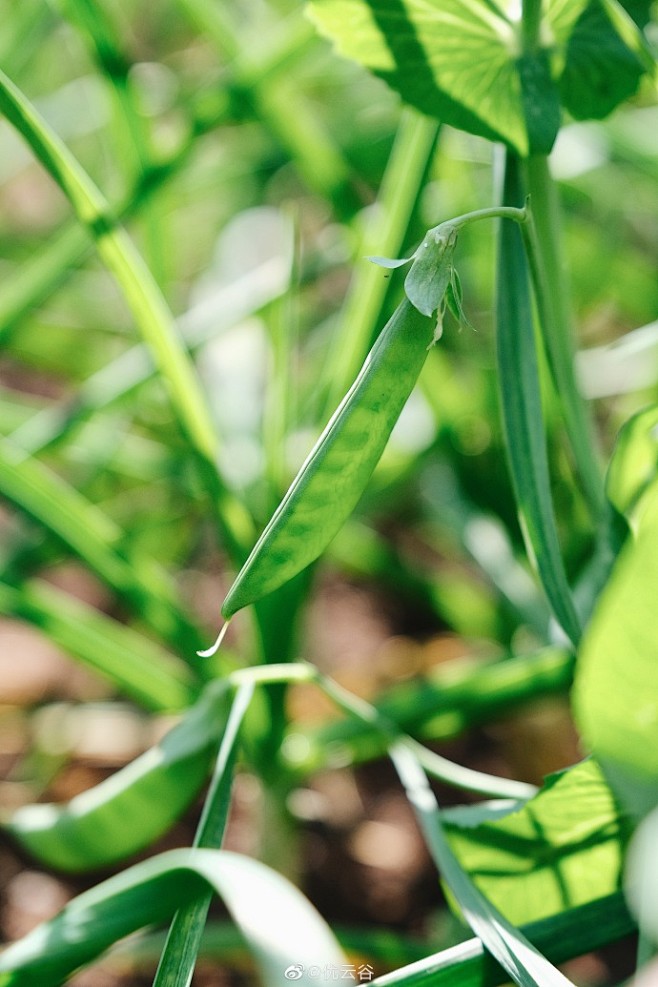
214, 648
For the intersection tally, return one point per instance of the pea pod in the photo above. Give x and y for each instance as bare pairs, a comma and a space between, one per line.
335, 474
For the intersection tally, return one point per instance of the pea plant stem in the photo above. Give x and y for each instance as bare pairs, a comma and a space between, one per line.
530, 25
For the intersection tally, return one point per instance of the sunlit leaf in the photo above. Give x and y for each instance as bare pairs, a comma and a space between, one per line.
616, 686
561, 849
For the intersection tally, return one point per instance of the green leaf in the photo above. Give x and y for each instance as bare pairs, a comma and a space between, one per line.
561, 849
280, 926
600, 71
523, 420
331, 481
136, 805
140, 668
616, 686
569, 934
431, 271
523, 963
184, 939
465, 63
634, 462
455, 60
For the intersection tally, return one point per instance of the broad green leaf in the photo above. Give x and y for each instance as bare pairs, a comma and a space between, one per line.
455, 60
465, 64
561, 849
522, 962
331, 481
523, 419
280, 926
616, 685
600, 71
138, 667
135, 806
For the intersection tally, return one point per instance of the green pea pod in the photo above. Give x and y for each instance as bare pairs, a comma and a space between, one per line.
133, 807
335, 474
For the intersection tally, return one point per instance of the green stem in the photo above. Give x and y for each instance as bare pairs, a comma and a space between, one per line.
519, 215
386, 231
439, 708
530, 26
184, 939
546, 261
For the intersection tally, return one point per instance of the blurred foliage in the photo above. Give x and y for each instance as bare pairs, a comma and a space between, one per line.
254, 170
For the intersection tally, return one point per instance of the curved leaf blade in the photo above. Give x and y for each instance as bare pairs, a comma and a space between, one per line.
279, 924
136, 805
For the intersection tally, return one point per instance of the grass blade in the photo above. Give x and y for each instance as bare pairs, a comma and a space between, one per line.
141, 294
562, 937
139, 668
96, 539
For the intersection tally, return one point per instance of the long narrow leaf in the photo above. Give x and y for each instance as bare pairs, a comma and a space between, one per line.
141, 669
136, 805
523, 423
281, 927
140, 291
562, 937
96, 539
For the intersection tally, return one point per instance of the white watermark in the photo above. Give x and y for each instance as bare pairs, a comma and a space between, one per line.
355, 972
